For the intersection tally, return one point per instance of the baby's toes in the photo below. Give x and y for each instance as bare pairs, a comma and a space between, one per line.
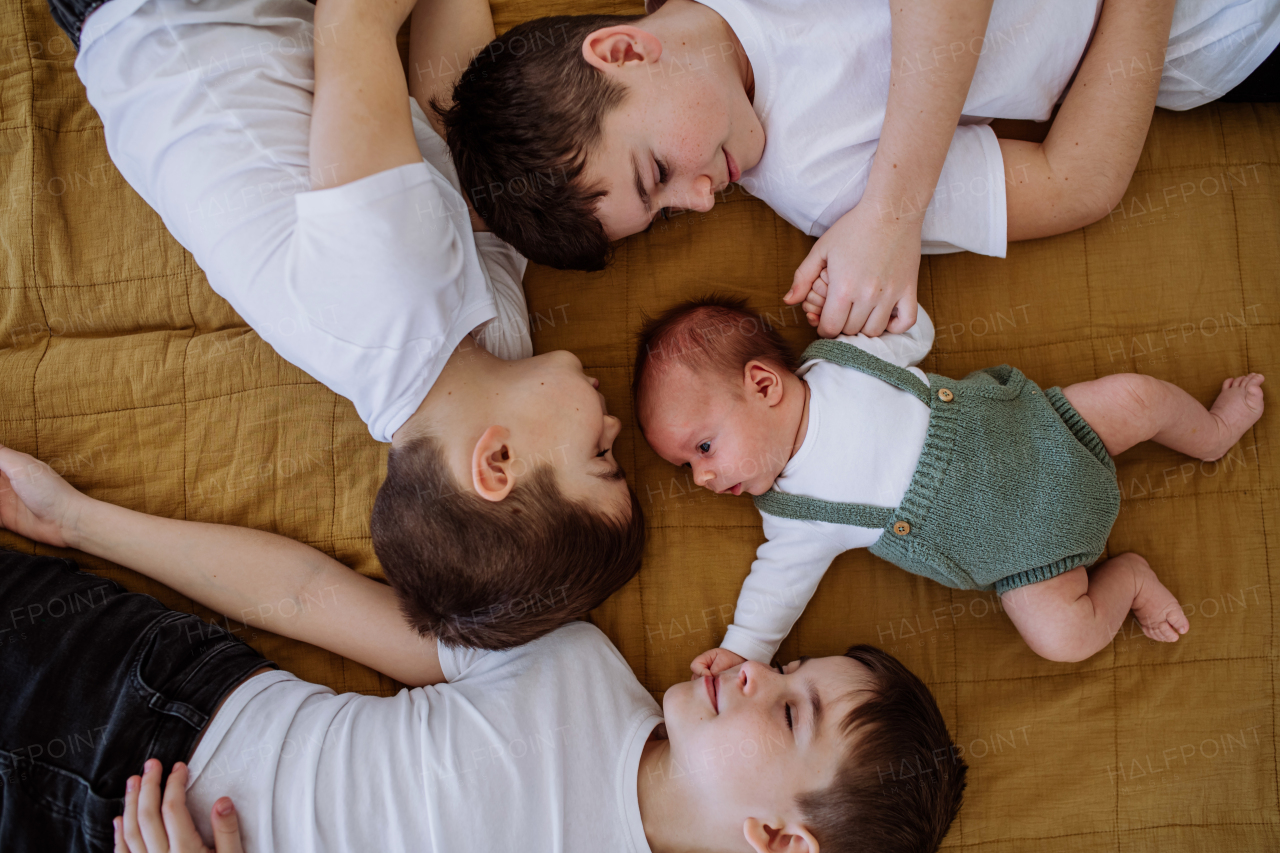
1161, 632
1178, 621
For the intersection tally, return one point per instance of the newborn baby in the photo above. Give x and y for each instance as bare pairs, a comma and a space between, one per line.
987, 482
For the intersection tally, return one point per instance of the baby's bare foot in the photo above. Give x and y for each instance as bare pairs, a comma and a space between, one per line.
1155, 608
1237, 408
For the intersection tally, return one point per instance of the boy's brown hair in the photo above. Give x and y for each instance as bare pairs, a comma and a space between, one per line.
493, 575
525, 114
715, 333
903, 778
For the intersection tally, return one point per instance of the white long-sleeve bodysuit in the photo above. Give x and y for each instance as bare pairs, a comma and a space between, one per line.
861, 445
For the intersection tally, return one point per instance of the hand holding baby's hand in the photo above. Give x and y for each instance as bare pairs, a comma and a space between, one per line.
714, 662
863, 272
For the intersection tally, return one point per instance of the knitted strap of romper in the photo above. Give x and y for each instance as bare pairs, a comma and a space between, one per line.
802, 508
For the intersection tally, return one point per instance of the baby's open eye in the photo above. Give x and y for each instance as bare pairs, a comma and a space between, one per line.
705, 447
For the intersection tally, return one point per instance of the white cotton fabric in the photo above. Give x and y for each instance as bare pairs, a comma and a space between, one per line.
862, 443
822, 82
536, 748
369, 286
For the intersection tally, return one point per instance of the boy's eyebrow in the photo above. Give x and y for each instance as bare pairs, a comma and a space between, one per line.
815, 701
640, 190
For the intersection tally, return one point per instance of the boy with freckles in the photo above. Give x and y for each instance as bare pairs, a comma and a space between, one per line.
987, 482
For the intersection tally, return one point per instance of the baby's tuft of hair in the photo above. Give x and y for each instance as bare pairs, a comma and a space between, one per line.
495, 574
903, 778
714, 334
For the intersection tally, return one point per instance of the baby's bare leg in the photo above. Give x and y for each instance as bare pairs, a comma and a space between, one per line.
1127, 408
1076, 615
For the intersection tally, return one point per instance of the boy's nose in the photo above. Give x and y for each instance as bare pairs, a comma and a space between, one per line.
703, 477
703, 197
752, 677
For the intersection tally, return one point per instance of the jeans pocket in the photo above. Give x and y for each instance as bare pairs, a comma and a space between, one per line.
43, 807
172, 652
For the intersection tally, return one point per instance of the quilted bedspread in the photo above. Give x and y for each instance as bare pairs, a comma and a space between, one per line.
122, 369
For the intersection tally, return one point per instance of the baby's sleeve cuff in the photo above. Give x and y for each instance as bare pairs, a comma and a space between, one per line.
737, 641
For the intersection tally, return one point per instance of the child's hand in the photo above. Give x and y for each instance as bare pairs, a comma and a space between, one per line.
714, 662
147, 828
872, 263
35, 502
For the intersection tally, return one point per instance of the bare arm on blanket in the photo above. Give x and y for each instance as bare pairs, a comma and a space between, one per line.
256, 577
1081, 170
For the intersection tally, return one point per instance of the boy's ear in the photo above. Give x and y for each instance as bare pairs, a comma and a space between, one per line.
763, 381
614, 47
790, 839
491, 465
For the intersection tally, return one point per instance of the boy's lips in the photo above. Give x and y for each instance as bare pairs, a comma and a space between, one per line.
712, 683
737, 490
734, 171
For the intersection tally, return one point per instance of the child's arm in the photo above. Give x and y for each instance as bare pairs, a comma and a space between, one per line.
873, 252
444, 36
1081, 170
360, 122
250, 575
786, 571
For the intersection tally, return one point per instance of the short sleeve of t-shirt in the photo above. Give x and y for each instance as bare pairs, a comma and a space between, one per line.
968, 209
385, 270
456, 660
507, 334
390, 272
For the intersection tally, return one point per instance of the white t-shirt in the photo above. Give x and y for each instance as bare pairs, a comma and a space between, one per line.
861, 445
822, 82
533, 749
369, 286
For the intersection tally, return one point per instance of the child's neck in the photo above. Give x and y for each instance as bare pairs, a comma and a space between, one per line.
673, 818
695, 27
459, 391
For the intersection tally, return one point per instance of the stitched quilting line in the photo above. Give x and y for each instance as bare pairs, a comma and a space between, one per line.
31, 213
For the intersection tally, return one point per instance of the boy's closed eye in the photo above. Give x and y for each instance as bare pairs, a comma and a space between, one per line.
790, 725
664, 175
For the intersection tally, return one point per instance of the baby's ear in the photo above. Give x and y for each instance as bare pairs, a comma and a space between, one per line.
763, 381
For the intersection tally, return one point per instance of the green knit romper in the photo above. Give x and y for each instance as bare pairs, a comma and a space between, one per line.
1012, 487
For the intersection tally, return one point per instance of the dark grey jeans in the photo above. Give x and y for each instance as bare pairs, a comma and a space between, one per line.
95, 680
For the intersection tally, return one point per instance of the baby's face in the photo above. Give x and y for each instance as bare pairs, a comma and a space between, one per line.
708, 423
